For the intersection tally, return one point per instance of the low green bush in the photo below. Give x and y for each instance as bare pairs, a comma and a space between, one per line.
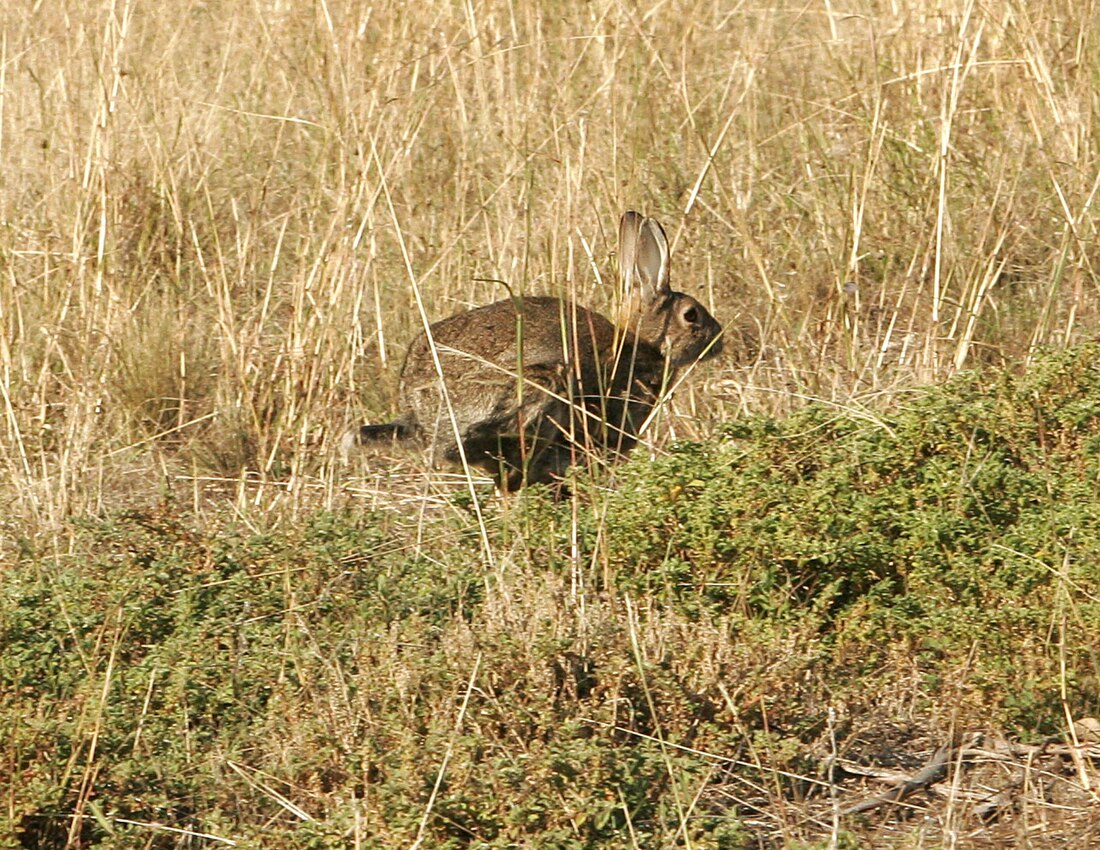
617, 666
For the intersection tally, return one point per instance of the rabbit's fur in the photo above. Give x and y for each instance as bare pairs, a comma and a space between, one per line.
577, 384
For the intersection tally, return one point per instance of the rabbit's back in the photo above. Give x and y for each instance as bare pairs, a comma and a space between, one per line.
552, 330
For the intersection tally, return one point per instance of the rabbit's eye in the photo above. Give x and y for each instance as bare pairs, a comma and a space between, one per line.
691, 315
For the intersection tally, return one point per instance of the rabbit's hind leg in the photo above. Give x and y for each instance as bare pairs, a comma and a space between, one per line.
525, 424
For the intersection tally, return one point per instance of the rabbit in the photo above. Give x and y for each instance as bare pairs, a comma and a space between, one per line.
534, 384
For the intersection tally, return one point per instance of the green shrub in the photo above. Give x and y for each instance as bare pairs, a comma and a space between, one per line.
346, 675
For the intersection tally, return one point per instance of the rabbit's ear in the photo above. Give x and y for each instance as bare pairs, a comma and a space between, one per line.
651, 263
628, 248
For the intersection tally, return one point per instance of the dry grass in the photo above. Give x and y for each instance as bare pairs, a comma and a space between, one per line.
221, 222
218, 217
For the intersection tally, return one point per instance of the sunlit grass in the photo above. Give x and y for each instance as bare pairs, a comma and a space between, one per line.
217, 220
869, 199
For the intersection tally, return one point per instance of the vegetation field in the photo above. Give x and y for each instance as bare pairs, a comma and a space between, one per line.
847, 592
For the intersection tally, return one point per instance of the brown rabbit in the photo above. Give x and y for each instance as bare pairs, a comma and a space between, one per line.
533, 385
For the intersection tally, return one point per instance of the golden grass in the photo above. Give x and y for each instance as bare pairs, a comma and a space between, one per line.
219, 218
